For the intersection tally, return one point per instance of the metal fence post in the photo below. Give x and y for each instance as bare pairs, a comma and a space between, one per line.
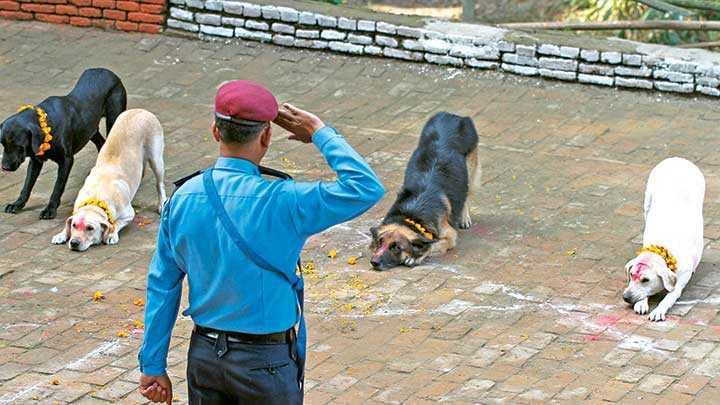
468, 11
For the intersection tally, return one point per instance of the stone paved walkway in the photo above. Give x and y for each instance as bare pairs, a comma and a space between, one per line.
526, 309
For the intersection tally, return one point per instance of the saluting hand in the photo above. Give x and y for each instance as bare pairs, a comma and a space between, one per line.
300, 123
156, 389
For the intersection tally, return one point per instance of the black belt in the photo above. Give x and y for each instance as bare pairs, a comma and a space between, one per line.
247, 338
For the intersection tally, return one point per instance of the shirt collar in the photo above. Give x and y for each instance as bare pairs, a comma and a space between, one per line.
237, 165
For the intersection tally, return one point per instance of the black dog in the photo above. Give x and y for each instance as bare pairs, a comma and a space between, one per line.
73, 120
432, 203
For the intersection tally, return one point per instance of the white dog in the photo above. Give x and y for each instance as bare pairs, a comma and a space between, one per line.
673, 238
103, 205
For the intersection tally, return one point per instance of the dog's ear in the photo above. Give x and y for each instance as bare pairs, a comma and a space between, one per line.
106, 228
36, 138
668, 278
374, 232
628, 267
68, 224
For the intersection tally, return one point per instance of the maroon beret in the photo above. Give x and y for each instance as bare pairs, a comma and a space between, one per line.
242, 100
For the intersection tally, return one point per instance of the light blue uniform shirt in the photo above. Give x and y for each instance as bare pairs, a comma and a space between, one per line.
228, 291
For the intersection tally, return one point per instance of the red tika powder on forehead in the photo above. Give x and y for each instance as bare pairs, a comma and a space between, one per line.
638, 271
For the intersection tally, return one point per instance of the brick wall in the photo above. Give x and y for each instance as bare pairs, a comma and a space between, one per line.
127, 15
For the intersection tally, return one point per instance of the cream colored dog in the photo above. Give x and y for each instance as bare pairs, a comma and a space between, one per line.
673, 223
104, 204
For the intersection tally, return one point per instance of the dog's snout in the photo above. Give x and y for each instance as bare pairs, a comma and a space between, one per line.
375, 263
74, 244
628, 298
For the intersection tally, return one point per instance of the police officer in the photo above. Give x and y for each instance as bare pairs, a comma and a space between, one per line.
237, 237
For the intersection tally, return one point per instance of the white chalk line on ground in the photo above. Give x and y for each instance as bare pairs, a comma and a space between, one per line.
106, 348
11, 398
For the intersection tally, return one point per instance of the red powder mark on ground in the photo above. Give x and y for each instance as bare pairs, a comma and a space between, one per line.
607, 320
592, 338
141, 221
479, 230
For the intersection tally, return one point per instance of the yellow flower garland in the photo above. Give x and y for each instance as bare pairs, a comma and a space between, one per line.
670, 260
420, 228
44, 127
100, 204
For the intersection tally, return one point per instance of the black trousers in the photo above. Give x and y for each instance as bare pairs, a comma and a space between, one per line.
221, 372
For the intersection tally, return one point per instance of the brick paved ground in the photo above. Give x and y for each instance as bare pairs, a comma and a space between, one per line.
526, 309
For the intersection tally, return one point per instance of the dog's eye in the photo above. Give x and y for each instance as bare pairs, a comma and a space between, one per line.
394, 247
89, 228
644, 280
74, 225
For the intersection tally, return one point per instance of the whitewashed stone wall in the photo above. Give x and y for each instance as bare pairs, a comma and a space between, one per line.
302, 29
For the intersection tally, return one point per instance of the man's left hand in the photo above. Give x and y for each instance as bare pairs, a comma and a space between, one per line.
156, 388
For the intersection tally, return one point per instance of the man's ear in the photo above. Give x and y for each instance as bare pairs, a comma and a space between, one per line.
668, 278
265, 136
215, 132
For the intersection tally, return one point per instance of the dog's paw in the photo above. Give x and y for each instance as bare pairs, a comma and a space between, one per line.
113, 239
48, 213
13, 208
658, 314
642, 307
60, 238
466, 222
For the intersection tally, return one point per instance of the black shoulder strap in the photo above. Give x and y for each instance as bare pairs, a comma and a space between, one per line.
182, 181
267, 171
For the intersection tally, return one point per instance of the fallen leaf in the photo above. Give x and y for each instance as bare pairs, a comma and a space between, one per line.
122, 334
332, 254
352, 260
138, 302
55, 382
98, 296
356, 283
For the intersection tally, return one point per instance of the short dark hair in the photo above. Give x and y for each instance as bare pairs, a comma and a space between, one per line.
239, 134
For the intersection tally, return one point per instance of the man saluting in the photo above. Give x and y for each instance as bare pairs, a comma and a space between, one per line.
237, 237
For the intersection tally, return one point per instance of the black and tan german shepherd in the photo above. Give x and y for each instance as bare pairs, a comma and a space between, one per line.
432, 203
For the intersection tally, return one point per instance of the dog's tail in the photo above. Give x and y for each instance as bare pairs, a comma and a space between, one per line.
115, 104
459, 131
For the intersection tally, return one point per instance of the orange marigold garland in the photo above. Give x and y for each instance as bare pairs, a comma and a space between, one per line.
423, 231
670, 260
44, 127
